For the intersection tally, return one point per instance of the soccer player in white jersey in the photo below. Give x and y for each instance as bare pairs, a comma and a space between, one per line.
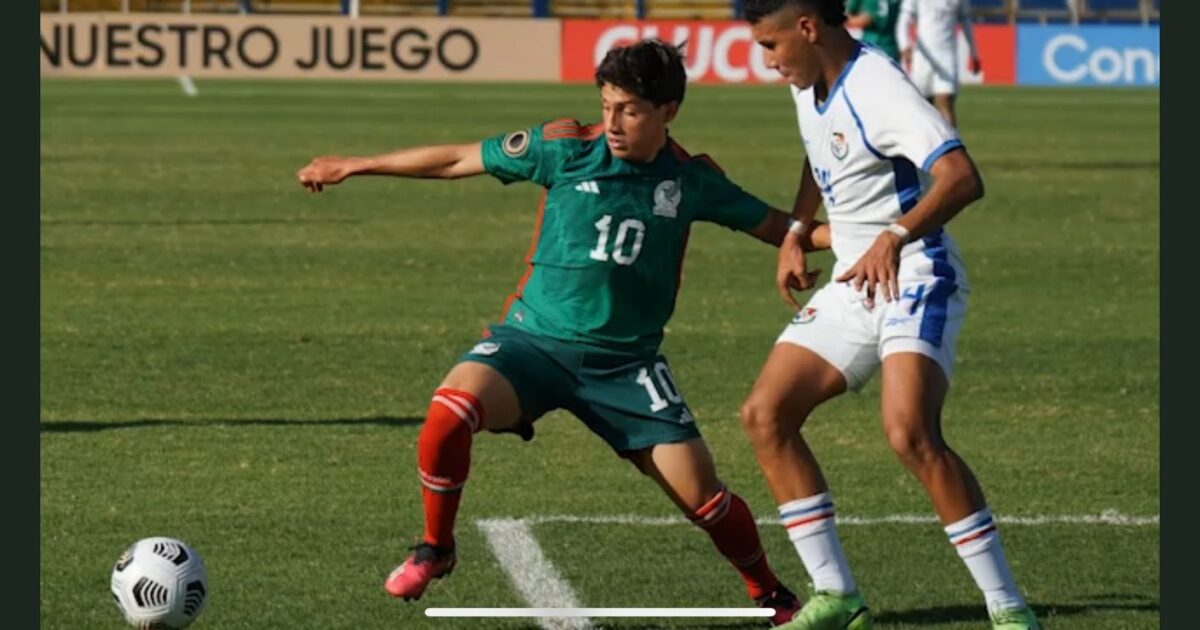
890, 173
932, 58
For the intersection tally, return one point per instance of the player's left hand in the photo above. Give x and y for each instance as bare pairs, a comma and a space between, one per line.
792, 272
877, 270
324, 171
975, 65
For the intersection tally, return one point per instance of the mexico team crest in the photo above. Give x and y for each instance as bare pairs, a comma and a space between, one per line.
806, 315
667, 196
840, 147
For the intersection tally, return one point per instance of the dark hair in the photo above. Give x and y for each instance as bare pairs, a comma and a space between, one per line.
832, 12
651, 69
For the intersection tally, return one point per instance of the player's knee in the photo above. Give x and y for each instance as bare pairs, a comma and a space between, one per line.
764, 422
912, 442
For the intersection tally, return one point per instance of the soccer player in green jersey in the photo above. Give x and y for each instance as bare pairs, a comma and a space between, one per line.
877, 19
582, 331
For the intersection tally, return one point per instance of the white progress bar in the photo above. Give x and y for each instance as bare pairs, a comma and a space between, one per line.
599, 612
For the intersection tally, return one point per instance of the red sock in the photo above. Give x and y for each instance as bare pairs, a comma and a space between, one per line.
729, 523
443, 459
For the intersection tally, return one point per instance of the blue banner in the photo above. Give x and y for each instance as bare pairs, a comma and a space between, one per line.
1088, 55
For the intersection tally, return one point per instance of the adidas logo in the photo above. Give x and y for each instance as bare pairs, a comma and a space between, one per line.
588, 187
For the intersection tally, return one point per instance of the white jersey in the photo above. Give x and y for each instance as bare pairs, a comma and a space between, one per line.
870, 145
937, 22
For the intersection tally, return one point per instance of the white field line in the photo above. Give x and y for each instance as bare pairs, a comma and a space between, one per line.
1107, 517
535, 578
543, 587
186, 84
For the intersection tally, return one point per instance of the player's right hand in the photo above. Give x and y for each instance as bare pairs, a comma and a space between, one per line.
793, 272
324, 171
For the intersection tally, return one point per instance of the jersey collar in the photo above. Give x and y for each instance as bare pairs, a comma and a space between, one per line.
837, 84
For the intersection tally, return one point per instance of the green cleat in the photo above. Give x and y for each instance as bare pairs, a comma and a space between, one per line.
1015, 619
831, 611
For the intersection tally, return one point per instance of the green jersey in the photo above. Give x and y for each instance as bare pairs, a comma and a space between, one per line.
882, 31
607, 255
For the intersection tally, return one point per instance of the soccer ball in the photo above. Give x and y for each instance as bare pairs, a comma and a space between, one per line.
160, 584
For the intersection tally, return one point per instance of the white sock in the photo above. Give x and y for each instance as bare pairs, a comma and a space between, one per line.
978, 544
812, 527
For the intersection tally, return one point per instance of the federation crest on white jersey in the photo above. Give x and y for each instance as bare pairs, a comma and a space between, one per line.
160, 584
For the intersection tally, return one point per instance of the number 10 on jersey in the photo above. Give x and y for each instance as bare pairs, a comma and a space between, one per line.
619, 256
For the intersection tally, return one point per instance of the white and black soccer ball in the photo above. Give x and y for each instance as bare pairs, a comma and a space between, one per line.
160, 584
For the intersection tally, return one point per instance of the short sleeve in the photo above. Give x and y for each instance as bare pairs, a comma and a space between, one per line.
853, 7
724, 202
518, 156
902, 124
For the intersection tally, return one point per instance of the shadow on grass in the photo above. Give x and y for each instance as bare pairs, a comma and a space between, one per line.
86, 426
958, 614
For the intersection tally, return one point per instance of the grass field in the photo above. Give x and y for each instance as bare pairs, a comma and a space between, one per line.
228, 360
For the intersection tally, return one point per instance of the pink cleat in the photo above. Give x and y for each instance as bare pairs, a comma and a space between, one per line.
427, 563
785, 603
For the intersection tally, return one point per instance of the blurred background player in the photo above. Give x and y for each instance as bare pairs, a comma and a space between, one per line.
932, 56
583, 329
877, 19
890, 173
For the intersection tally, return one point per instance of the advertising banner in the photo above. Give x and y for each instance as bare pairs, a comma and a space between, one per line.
1088, 55
133, 45
725, 52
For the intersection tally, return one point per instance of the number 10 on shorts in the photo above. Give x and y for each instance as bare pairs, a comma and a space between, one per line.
669, 392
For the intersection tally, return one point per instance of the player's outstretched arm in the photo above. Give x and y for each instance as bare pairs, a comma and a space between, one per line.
446, 161
773, 230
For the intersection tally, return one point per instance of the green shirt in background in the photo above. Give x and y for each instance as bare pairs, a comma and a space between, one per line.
882, 31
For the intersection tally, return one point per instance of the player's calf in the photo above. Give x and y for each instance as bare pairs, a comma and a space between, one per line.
444, 459
443, 462
729, 523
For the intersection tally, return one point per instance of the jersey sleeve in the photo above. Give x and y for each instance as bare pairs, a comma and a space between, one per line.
535, 154
725, 203
898, 122
853, 7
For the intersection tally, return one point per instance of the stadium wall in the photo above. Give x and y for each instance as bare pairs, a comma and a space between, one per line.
157, 44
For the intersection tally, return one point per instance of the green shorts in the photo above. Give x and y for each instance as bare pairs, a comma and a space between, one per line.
628, 399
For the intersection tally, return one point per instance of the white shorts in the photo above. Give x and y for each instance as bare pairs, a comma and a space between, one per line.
836, 325
934, 71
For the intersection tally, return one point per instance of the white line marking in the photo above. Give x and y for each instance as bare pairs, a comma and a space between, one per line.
1107, 517
531, 573
599, 612
557, 607
186, 84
